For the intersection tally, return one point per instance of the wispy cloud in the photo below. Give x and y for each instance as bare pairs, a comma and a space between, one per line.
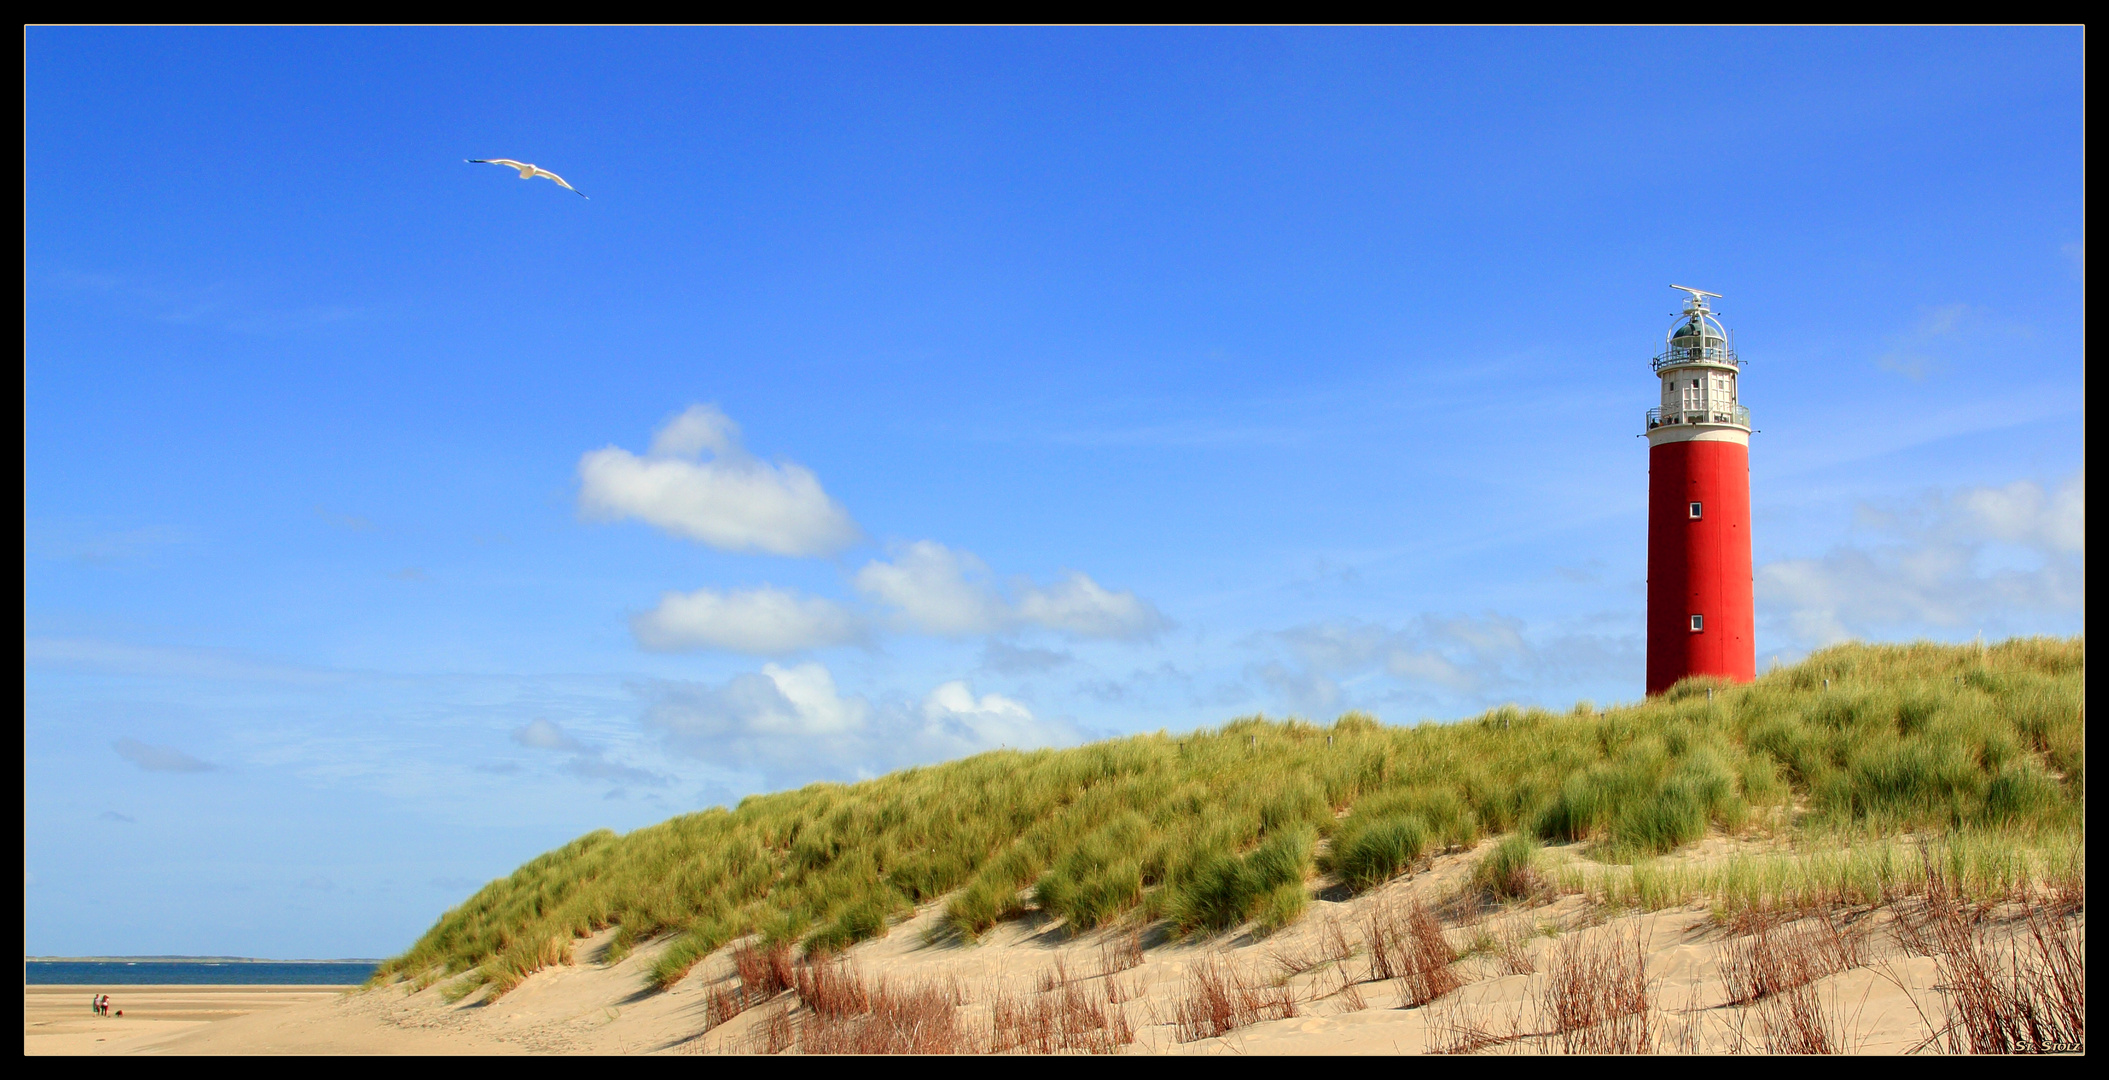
1005, 658
352, 522
1201, 434
792, 723
1960, 560
543, 735
101, 547
1912, 354
585, 762
226, 305
156, 660
939, 590
160, 758
1440, 658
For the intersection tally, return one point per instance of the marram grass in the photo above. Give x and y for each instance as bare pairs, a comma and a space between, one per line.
1978, 754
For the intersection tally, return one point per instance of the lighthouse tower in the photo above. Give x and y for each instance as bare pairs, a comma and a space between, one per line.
1700, 615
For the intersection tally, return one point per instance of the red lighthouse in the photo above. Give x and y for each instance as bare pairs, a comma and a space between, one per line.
1700, 615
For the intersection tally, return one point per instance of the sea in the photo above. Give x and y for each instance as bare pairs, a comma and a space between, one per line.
117, 971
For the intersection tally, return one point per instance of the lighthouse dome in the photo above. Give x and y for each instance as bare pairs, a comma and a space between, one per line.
1698, 327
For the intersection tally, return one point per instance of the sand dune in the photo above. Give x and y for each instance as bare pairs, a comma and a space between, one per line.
1875, 996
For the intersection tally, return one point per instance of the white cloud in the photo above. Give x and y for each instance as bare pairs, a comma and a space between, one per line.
2020, 513
941, 591
1082, 607
1428, 667
813, 706
938, 590
699, 428
793, 724
2002, 558
777, 715
731, 501
762, 621
952, 711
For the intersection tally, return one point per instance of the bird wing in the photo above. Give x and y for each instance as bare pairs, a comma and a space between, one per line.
560, 182
507, 162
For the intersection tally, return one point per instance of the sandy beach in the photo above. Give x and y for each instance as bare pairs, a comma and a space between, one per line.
1319, 971
57, 1019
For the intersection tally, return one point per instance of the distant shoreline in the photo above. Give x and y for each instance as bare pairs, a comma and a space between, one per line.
196, 971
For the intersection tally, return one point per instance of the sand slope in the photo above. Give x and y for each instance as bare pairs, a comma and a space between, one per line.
1884, 1003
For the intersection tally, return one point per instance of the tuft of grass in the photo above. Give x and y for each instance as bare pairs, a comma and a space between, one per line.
1220, 891
1510, 870
1369, 852
1282, 906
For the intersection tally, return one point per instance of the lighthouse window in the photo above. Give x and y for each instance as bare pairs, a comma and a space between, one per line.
1698, 623
1695, 511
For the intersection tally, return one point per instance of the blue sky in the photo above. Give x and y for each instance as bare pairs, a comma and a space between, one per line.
897, 394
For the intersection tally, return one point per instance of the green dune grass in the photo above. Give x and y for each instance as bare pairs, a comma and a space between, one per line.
1979, 751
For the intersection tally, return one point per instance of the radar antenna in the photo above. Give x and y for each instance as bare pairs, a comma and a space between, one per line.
1699, 296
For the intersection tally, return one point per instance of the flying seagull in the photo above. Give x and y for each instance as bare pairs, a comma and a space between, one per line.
527, 172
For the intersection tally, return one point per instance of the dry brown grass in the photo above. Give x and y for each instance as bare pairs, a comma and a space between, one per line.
1408, 945
1219, 999
774, 1034
839, 1011
1794, 1021
1512, 940
1055, 977
2026, 995
1452, 1030
1120, 952
1773, 954
1597, 997
759, 974
1333, 943
889, 1019
1074, 1016
763, 971
1776, 961
832, 988
1328, 956
1351, 996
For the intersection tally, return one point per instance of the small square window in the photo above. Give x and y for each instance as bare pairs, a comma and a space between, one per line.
1698, 623
1695, 511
